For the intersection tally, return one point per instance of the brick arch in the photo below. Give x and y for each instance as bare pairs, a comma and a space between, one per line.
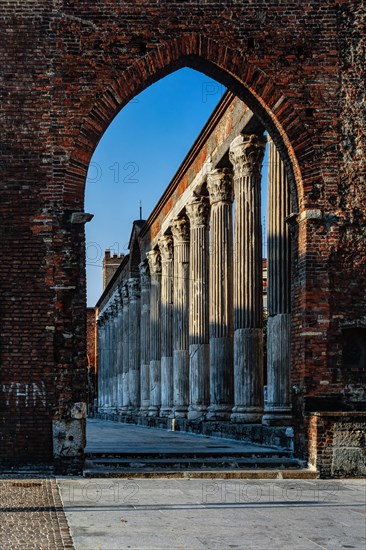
228, 67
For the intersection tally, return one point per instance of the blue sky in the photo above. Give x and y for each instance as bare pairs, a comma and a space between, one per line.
137, 157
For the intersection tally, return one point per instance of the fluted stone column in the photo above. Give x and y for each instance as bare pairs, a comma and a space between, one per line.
246, 155
155, 335
219, 184
119, 358
125, 351
180, 231
101, 361
108, 361
166, 252
199, 346
134, 343
145, 338
278, 410
114, 365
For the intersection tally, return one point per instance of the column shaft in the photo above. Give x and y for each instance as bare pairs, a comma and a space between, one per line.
125, 351
219, 183
278, 410
134, 344
166, 251
145, 337
119, 344
155, 334
114, 388
246, 155
199, 347
180, 231
108, 397
100, 362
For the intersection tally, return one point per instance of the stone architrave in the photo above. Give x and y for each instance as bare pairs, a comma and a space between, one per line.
134, 343
246, 155
180, 231
199, 340
166, 251
145, 337
278, 408
125, 351
219, 184
155, 335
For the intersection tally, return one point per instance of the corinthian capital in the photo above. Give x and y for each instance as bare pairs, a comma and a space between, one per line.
197, 211
144, 274
180, 230
134, 288
154, 259
219, 185
124, 292
166, 248
246, 154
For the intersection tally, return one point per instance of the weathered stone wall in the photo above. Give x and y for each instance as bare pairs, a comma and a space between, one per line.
70, 66
337, 444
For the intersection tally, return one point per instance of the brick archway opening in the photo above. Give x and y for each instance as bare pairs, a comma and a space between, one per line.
266, 119
250, 84
63, 438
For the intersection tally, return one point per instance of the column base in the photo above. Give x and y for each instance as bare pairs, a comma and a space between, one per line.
277, 417
197, 412
219, 412
108, 409
181, 412
144, 410
153, 410
244, 415
166, 412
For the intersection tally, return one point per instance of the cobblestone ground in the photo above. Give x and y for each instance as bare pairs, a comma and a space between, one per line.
31, 515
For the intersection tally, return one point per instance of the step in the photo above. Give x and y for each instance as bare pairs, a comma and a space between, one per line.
194, 463
302, 473
179, 454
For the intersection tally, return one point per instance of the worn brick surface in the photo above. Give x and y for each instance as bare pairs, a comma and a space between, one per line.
67, 68
32, 517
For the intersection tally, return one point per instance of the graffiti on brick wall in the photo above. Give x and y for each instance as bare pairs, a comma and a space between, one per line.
24, 395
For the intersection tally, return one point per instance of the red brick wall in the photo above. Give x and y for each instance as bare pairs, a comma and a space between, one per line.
110, 266
69, 67
90, 341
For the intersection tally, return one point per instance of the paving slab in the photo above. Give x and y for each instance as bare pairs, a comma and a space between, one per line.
191, 514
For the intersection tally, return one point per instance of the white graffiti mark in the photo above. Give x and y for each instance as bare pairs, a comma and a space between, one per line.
26, 395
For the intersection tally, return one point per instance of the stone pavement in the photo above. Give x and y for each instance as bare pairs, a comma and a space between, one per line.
31, 515
158, 514
151, 514
104, 435
37, 511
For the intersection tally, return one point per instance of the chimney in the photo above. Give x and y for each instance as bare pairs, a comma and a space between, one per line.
110, 265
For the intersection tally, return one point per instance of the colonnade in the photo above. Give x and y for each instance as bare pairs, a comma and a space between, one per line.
184, 336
